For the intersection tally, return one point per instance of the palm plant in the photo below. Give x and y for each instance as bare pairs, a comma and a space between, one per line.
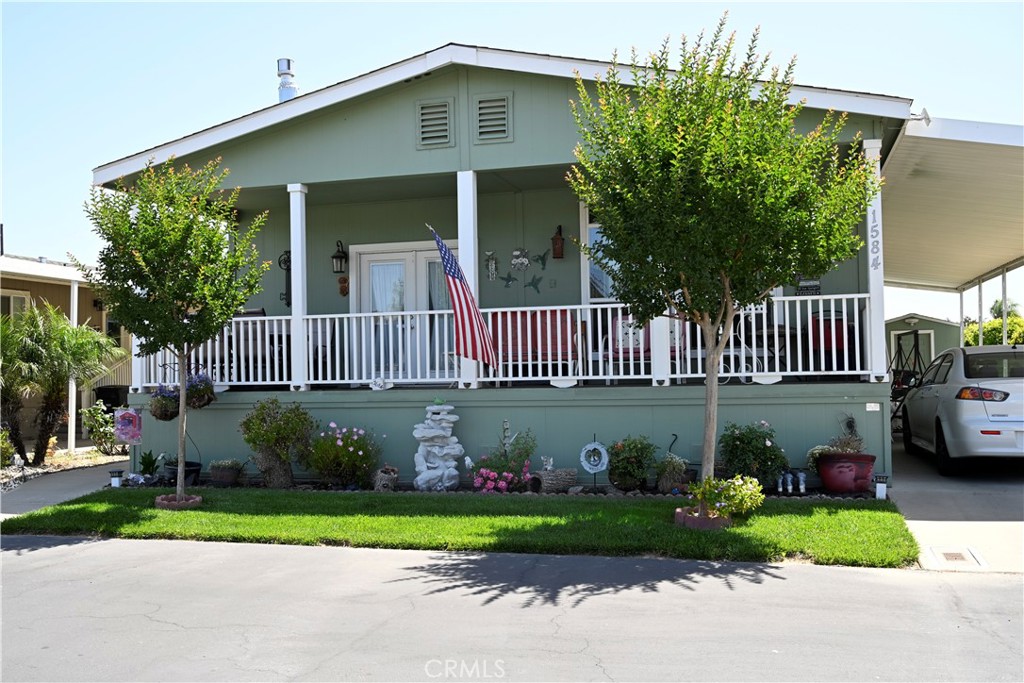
13, 383
54, 352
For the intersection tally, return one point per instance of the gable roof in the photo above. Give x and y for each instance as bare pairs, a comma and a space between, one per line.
449, 55
918, 317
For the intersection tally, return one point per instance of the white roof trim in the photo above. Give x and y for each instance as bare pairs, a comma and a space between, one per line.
968, 131
564, 67
34, 269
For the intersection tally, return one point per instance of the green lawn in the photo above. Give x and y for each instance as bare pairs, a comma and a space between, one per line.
855, 532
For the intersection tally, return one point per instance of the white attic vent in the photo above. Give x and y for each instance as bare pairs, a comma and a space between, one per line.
434, 123
493, 117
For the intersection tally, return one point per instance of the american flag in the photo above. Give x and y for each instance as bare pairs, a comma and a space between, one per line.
472, 340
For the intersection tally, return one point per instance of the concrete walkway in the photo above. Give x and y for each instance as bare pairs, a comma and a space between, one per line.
50, 489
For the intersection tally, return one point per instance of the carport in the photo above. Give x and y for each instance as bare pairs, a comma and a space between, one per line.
953, 206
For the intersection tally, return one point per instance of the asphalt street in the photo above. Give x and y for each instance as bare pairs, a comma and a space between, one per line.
118, 610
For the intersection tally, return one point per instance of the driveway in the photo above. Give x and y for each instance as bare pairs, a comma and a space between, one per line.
973, 522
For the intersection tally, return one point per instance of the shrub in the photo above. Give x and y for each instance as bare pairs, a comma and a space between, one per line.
7, 450
507, 468
721, 497
345, 455
277, 435
629, 461
752, 451
100, 424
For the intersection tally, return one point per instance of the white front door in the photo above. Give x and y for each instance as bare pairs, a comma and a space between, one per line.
408, 340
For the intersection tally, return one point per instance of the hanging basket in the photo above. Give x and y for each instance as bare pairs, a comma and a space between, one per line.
200, 400
164, 411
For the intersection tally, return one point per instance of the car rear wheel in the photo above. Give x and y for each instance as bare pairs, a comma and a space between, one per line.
946, 465
908, 443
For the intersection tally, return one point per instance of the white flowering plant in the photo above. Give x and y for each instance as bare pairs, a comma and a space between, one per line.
345, 456
752, 450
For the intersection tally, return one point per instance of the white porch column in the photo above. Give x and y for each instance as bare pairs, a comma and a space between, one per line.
878, 367
72, 385
981, 316
297, 218
468, 248
660, 331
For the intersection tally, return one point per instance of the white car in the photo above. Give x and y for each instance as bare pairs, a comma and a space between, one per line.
968, 403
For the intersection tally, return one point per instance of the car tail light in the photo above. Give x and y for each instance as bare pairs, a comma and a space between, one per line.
981, 394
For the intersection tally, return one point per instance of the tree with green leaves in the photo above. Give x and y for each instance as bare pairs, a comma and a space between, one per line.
1012, 309
993, 331
176, 265
54, 351
707, 196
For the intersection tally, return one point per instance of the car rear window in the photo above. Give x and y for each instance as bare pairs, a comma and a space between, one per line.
995, 365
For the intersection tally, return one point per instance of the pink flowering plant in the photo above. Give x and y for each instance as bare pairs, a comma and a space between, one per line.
507, 468
726, 497
345, 456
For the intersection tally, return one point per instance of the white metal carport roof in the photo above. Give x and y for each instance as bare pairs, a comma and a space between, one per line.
953, 204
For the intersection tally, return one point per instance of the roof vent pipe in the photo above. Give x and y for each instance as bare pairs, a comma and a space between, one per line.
287, 89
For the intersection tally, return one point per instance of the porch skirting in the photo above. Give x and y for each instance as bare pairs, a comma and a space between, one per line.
563, 420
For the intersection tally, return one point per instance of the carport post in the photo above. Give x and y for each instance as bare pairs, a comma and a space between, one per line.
878, 367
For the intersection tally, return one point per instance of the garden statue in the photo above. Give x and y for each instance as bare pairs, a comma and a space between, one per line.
436, 456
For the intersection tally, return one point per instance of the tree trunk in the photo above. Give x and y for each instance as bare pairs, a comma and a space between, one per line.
715, 345
277, 473
52, 413
182, 411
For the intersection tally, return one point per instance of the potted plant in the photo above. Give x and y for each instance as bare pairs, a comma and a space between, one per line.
842, 464
716, 501
277, 434
752, 451
629, 461
225, 473
163, 403
673, 474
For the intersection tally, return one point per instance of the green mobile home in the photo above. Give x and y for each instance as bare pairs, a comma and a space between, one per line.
477, 142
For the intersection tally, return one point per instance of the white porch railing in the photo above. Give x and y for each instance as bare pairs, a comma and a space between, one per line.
564, 345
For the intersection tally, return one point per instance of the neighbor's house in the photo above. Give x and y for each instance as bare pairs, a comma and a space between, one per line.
26, 282
931, 335
476, 142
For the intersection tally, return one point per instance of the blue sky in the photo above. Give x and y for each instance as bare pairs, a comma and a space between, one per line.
87, 83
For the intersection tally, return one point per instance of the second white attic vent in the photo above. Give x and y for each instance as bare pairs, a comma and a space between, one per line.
493, 117
434, 123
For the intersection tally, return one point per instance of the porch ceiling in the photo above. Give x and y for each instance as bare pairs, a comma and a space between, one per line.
953, 204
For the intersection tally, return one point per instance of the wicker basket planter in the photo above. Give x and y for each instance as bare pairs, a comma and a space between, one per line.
163, 410
553, 481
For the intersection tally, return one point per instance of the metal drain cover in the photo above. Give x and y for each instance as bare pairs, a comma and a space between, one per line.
957, 557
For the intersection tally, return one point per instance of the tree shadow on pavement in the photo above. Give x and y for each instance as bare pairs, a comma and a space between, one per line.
571, 580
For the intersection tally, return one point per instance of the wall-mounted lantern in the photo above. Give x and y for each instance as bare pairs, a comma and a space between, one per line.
339, 260
558, 244
284, 262
98, 304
